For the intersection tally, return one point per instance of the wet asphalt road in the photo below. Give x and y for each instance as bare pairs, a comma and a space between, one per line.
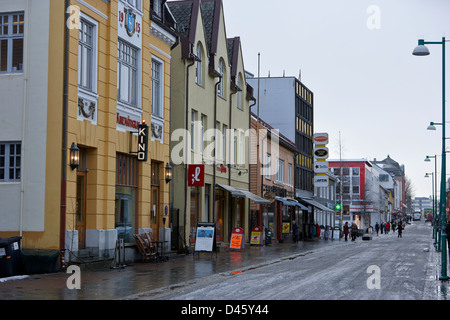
307, 270
385, 268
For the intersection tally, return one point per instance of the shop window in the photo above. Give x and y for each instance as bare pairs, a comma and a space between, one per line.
126, 196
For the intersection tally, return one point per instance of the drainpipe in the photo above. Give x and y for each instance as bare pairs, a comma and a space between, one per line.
230, 209
194, 59
218, 75
24, 117
64, 140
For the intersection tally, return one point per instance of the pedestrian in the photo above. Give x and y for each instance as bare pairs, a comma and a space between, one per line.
354, 231
382, 227
295, 229
388, 227
346, 231
447, 231
399, 230
377, 227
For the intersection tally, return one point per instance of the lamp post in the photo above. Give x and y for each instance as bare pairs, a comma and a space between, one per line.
427, 175
422, 50
427, 159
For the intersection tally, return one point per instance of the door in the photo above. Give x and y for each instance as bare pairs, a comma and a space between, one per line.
81, 209
155, 211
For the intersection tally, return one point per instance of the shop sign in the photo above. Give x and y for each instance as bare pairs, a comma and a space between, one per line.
321, 153
256, 236
320, 138
237, 236
142, 142
196, 175
321, 181
321, 167
205, 238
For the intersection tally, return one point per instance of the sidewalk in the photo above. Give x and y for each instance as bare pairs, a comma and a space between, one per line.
101, 282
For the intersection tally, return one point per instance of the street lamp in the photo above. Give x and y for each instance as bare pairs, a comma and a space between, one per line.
427, 159
422, 50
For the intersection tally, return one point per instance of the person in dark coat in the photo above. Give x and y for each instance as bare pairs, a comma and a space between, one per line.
447, 231
354, 231
377, 227
399, 230
295, 229
346, 231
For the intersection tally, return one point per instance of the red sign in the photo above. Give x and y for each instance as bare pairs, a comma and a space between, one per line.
196, 175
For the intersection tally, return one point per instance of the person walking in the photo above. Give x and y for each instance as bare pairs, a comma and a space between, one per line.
354, 231
388, 228
377, 228
346, 231
399, 230
295, 229
382, 227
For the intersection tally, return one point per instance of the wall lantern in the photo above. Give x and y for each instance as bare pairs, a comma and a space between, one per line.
74, 156
168, 173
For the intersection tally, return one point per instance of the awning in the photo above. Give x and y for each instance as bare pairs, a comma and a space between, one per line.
317, 205
239, 192
291, 202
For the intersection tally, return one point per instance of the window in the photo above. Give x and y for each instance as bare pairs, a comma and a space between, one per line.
193, 117
268, 166
355, 171
127, 73
280, 172
10, 159
138, 4
202, 133
126, 196
224, 141
290, 173
220, 89
199, 67
157, 8
157, 88
86, 60
11, 42
239, 94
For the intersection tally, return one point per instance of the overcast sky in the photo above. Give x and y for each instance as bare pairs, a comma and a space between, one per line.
356, 56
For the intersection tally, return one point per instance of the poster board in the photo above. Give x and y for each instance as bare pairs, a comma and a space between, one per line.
205, 239
256, 236
237, 238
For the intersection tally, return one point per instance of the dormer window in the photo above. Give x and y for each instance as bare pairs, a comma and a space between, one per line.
157, 7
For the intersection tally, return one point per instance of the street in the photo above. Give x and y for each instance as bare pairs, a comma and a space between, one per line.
385, 268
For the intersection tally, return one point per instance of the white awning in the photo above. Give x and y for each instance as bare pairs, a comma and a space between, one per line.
317, 205
291, 202
239, 192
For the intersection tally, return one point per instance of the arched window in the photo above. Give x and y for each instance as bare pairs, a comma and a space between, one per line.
199, 67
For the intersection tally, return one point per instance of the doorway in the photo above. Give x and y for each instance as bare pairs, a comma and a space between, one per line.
81, 209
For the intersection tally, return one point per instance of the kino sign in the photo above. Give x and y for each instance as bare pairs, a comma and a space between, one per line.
142, 142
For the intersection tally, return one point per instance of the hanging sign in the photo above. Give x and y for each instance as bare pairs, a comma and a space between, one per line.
320, 138
142, 142
196, 175
237, 237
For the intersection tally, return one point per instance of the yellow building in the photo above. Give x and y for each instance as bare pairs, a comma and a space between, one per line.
90, 72
210, 121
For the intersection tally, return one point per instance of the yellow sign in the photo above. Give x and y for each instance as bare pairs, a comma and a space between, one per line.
286, 227
256, 238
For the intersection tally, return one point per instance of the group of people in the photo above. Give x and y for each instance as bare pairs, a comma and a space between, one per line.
384, 227
352, 231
